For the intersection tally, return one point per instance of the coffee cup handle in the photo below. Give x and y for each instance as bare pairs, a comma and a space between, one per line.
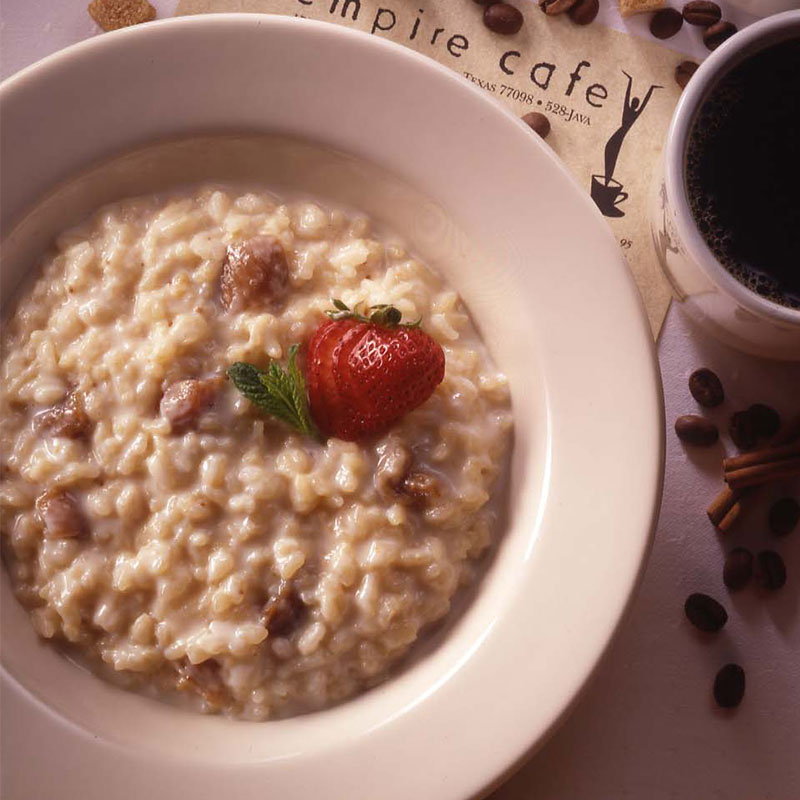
620, 198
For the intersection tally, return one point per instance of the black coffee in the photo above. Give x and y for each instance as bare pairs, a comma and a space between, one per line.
743, 172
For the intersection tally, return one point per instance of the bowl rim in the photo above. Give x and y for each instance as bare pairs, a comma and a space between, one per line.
495, 769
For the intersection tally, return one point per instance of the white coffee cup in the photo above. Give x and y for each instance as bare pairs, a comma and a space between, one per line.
761, 8
707, 291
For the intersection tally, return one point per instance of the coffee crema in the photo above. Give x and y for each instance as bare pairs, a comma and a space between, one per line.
743, 172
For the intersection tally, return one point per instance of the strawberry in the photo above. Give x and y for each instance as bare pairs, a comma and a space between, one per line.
365, 374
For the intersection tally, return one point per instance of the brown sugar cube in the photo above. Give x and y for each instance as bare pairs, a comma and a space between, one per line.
629, 7
113, 14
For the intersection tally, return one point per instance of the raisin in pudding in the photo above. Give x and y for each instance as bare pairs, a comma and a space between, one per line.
249, 450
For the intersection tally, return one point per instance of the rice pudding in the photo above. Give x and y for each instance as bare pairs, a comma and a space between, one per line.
163, 528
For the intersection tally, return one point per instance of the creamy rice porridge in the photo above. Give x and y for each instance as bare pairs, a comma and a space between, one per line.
161, 526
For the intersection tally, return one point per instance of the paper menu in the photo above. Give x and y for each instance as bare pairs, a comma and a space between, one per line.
609, 96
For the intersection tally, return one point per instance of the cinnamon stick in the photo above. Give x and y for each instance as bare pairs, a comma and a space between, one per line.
757, 474
764, 456
726, 523
725, 508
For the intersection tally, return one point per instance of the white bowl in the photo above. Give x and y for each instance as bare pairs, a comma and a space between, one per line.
547, 285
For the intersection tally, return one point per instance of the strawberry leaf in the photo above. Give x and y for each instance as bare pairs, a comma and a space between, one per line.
282, 394
379, 314
385, 315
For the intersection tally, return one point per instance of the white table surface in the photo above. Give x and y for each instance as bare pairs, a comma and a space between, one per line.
646, 729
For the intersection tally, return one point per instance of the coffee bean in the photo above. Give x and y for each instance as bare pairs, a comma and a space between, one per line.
770, 570
716, 34
553, 7
584, 11
695, 430
766, 419
502, 18
684, 71
666, 23
704, 384
743, 429
783, 515
738, 568
702, 13
538, 122
705, 612
729, 686
759, 421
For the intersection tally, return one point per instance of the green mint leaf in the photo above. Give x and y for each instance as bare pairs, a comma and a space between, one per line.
299, 395
247, 379
279, 393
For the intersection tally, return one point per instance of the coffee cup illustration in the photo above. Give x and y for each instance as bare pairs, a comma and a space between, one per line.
607, 194
606, 191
